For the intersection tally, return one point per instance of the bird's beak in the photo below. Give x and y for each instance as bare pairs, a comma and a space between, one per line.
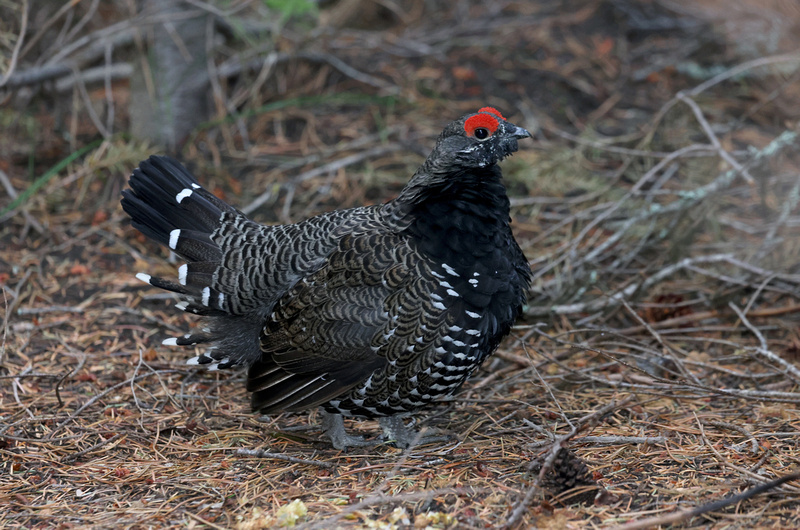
519, 132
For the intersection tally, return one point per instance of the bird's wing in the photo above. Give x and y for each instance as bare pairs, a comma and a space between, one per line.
330, 331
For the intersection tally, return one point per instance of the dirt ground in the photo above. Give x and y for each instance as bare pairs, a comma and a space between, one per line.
656, 368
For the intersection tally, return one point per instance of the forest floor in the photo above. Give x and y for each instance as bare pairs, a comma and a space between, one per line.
656, 368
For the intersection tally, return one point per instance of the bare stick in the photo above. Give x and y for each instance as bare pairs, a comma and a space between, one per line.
15, 54
789, 369
685, 515
265, 453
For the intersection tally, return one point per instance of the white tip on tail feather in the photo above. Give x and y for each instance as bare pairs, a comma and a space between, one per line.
186, 192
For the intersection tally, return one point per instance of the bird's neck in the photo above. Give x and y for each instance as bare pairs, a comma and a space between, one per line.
454, 215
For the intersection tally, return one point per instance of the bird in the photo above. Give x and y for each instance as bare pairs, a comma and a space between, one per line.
371, 312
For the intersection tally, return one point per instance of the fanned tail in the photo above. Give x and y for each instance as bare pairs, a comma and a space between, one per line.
166, 203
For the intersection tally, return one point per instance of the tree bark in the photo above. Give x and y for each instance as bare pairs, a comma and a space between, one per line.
169, 88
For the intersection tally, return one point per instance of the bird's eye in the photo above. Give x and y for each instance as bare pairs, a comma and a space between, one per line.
481, 133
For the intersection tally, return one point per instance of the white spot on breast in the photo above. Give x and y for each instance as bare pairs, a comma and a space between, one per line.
206, 295
473, 315
474, 282
186, 192
173, 238
455, 328
476, 274
474, 332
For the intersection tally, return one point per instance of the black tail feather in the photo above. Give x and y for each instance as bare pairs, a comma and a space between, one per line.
166, 204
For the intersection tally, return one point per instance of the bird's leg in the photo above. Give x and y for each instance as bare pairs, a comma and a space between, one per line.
396, 432
333, 425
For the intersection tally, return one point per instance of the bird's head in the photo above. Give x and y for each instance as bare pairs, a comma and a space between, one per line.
476, 140
466, 153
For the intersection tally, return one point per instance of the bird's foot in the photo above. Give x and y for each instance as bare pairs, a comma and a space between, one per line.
396, 432
333, 425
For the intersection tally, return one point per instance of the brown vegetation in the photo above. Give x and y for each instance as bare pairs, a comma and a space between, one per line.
657, 366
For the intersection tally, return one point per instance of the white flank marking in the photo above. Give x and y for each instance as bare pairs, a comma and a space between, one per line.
206, 295
144, 277
446, 285
474, 332
436, 297
439, 305
449, 270
186, 192
452, 293
440, 351
173, 238
172, 341
183, 270
455, 328
473, 315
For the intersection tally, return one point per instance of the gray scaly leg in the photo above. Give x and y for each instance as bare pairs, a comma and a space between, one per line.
333, 425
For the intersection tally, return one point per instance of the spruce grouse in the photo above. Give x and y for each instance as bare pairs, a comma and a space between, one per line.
370, 312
